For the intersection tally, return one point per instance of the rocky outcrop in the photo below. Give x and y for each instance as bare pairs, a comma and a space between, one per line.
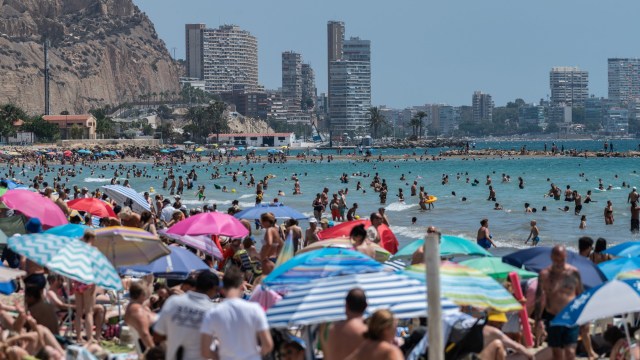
103, 52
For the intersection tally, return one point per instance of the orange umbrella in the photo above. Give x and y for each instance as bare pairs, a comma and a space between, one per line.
93, 206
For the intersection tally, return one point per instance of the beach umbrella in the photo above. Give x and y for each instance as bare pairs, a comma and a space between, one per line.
11, 185
494, 267
111, 153
177, 265
633, 274
538, 258
165, 151
387, 239
323, 300
84, 152
286, 253
612, 298
240, 148
126, 246
68, 257
34, 205
67, 153
318, 264
469, 287
69, 230
127, 197
93, 206
203, 243
449, 246
265, 297
199, 149
629, 248
188, 143
279, 210
233, 148
211, 223
614, 267
274, 151
382, 255
51, 153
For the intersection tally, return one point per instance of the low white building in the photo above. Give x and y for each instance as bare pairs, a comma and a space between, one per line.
255, 139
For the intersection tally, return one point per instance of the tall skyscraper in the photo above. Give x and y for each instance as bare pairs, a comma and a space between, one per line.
349, 84
569, 86
230, 59
481, 107
292, 79
309, 92
624, 80
194, 46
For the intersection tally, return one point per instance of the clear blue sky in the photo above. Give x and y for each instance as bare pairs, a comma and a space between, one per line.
427, 51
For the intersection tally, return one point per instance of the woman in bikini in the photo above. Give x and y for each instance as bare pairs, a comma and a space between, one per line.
271, 244
85, 302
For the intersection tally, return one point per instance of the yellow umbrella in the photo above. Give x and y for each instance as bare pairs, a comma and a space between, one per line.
284, 147
382, 255
199, 149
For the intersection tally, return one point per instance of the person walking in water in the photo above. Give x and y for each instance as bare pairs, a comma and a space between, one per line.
484, 237
534, 234
608, 213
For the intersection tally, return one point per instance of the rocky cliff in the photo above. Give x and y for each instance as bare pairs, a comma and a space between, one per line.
102, 52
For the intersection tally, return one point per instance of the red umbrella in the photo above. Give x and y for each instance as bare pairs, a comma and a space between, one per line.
67, 153
93, 206
387, 239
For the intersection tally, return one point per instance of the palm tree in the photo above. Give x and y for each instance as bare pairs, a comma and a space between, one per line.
415, 123
376, 120
418, 121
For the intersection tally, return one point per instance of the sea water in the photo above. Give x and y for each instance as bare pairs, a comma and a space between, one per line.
510, 226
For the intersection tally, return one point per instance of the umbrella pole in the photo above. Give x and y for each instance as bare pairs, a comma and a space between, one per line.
626, 333
434, 308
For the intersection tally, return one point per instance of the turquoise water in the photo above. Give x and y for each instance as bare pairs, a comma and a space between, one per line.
509, 226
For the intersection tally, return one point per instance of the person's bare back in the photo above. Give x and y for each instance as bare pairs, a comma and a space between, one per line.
376, 350
366, 248
344, 338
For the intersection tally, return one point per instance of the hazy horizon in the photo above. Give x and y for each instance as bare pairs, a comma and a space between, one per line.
427, 52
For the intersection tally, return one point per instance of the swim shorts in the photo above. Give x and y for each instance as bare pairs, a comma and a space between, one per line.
536, 240
559, 336
485, 243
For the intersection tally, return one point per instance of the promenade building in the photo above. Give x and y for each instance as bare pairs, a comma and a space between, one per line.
194, 46
624, 80
292, 79
569, 86
482, 107
230, 59
349, 80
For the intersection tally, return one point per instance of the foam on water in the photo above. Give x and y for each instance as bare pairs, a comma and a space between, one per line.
92, 179
246, 196
413, 232
400, 206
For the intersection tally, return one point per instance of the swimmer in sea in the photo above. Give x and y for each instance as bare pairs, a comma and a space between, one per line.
534, 235
497, 207
484, 237
583, 222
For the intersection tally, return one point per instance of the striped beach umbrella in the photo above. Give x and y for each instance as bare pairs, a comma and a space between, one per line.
278, 210
68, 257
323, 300
69, 230
126, 246
127, 197
494, 267
321, 263
177, 265
469, 287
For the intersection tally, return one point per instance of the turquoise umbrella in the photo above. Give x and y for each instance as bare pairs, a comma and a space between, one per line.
494, 267
68, 257
318, 264
449, 246
70, 230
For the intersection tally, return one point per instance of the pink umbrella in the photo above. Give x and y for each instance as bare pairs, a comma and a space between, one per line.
266, 298
34, 205
212, 223
199, 242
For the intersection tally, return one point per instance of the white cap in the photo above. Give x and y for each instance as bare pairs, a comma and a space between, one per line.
313, 221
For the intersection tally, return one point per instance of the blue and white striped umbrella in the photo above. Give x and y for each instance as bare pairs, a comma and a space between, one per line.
612, 298
127, 197
323, 300
69, 257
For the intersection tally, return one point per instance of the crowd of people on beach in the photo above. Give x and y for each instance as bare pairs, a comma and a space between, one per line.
211, 314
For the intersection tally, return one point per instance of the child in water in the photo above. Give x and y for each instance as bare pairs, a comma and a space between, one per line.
583, 222
534, 234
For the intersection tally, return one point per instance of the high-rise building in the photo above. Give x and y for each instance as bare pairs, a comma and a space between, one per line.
349, 87
292, 79
309, 92
194, 46
624, 80
482, 107
230, 59
569, 86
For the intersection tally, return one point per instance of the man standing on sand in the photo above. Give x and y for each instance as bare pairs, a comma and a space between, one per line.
558, 285
311, 235
347, 335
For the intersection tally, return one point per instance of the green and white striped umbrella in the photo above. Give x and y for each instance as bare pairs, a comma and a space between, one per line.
68, 257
